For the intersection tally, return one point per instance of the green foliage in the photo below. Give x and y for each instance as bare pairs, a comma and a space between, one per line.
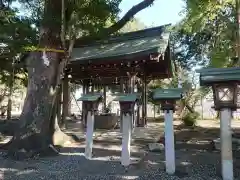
16, 33
190, 119
90, 17
207, 34
82, 18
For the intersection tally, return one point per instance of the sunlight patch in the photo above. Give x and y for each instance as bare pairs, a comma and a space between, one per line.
185, 163
25, 172
130, 177
45, 59
72, 154
8, 169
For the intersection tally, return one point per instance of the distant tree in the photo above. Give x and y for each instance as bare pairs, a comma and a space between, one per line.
133, 25
207, 35
15, 34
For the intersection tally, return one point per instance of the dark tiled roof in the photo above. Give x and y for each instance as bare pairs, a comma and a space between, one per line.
143, 42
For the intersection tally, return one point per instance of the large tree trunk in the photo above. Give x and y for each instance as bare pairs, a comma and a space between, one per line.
38, 127
35, 127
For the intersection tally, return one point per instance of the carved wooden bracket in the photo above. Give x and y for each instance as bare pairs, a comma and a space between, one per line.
127, 108
91, 106
168, 105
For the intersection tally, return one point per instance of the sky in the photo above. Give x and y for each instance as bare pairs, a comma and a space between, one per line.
162, 12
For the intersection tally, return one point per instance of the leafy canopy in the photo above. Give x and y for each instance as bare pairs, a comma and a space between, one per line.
207, 35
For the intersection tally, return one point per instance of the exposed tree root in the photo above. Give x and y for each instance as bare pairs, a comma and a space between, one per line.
36, 145
61, 139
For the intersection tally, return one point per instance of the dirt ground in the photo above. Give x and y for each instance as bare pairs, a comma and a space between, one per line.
195, 159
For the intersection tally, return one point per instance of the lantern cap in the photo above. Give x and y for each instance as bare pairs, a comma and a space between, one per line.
130, 97
209, 76
167, 94
91, 97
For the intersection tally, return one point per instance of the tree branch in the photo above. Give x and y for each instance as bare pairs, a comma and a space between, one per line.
128, 16
118, 25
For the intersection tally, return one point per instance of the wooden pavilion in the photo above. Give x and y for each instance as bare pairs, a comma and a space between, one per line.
127, 61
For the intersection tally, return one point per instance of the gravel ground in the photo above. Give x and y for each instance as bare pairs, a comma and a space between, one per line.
191, 164
71, 165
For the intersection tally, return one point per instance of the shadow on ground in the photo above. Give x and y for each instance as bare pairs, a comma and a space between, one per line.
199, 137
72, 165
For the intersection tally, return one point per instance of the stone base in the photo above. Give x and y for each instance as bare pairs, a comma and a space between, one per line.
155, 147
235, 144
106, 121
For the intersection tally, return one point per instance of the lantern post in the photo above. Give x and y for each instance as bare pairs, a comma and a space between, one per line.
90, 104
167, 98
127, 102
224, 83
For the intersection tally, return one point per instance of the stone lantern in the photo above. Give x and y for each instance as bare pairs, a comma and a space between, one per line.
224, 83
90, 102
167, 98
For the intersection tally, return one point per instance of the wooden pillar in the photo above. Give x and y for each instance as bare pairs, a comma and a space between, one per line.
59, 103
87, 86
121, 85
131, 84
154, 112
84, 88
121, 91
92, 88
87, 90
66, 98
104, 97
131, 87
98, 88
145, 100
143, 105
139, 124
126, 88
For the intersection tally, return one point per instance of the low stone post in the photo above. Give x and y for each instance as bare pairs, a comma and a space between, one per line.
126, 132
226, 143
169, 137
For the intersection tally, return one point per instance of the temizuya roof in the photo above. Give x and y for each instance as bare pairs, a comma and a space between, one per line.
125, 46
